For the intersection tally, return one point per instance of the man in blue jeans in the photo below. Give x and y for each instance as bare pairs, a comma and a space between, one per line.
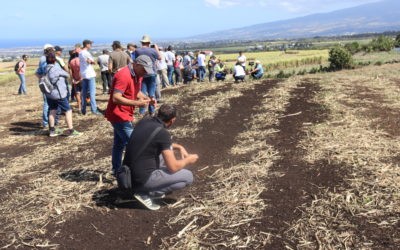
125, 94
41, 71
149, 84
88, 74
154, 167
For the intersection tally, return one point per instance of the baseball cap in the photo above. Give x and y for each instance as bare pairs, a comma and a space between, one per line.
146, 62
58, 48
47, 45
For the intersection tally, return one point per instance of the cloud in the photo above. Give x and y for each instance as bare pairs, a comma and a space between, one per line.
222, 3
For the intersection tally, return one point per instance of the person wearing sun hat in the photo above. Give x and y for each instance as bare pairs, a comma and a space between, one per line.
258, 70
149, 83
125, 94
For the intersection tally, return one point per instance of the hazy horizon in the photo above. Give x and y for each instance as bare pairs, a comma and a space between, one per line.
174, 19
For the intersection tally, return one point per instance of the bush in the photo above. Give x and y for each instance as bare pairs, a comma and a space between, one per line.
382, 43
397, 42
340, 58
353, 47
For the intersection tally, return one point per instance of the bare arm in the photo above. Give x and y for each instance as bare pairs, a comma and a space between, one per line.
175, 165
119, 99
181, 149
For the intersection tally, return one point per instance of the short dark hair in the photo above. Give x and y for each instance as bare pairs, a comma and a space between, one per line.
86, 42
24, 56
166, 112
116, 45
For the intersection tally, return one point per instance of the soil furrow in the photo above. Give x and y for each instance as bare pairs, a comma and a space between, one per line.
134, 226
293, 182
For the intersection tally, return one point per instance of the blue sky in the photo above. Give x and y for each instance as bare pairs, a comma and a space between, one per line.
128, 20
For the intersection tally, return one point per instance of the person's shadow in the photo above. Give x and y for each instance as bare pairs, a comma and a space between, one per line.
26, 128
110, 198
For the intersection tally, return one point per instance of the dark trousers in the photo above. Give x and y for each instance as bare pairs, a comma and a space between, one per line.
106, 78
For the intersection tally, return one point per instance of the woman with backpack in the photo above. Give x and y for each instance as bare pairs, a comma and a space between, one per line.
20, 69
57, 98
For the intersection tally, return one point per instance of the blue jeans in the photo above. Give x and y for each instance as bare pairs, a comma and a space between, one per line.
122, 133
257, 75
22, 87
170, 72
202, 73
149, 89
89, 84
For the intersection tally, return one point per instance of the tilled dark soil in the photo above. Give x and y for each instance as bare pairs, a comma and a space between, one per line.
130, 225
292, 182
295, 181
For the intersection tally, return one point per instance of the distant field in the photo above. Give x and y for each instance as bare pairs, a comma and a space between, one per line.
280, 59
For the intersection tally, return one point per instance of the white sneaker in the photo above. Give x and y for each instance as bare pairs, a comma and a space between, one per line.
146, 201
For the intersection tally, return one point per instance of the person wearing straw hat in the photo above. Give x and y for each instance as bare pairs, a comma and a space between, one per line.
258, 70
149, 83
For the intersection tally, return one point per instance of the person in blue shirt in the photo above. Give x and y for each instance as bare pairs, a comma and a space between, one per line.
41, 71
258, 70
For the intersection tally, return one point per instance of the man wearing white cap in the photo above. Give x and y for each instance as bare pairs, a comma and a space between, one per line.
149, 80
125, 94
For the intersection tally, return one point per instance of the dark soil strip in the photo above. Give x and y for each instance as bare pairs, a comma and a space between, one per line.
386, 119
130, 225
297, 181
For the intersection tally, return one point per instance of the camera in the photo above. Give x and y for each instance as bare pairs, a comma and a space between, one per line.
251, 63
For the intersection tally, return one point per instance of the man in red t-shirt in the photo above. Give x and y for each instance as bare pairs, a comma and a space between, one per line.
125, 94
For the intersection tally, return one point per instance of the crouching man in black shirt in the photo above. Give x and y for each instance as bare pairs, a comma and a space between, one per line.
154, 167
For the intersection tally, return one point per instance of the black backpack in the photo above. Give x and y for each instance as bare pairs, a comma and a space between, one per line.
16, 67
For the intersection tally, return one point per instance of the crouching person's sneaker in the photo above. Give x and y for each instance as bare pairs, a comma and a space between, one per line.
146, 201
157, 195
72, 132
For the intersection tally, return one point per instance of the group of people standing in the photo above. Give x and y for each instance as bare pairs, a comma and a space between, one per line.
132, 78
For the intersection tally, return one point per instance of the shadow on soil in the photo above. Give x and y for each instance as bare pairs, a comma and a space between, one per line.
115, 198
25, 127
83, 175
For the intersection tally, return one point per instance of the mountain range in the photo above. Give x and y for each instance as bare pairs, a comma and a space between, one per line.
368, 18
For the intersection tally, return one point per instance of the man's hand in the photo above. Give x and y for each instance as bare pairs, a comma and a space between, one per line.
192, 158
143, 102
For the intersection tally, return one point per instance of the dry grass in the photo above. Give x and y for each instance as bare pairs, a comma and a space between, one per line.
347, 139
223, 217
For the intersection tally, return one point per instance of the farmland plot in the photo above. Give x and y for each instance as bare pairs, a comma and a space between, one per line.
308, 162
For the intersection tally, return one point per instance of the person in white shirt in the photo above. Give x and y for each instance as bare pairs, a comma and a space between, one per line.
102, 61
161, 67
201, 63
238, 72
242, 59
170, 59
88, 77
